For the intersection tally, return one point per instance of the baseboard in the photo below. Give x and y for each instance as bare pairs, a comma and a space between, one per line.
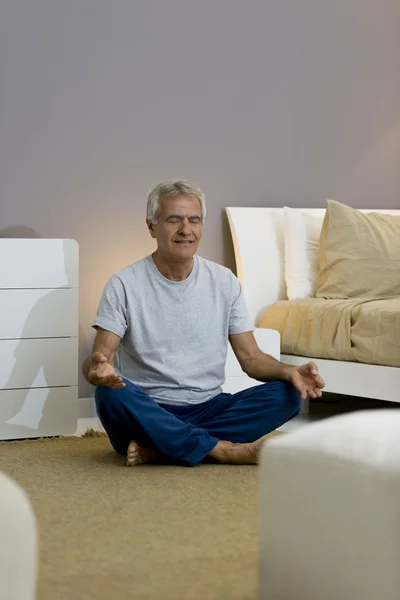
86, 408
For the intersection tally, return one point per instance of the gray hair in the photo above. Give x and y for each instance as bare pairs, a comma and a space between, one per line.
179, 187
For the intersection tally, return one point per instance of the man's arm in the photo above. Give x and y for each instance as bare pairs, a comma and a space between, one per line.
255, 363
98, 369
263, 367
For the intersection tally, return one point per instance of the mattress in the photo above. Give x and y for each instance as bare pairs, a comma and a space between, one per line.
361, 330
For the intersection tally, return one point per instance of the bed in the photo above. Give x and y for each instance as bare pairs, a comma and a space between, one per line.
258, 241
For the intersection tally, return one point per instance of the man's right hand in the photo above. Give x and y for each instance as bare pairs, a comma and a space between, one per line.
100, 372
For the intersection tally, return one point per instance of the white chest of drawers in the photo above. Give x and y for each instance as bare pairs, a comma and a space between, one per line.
39, 308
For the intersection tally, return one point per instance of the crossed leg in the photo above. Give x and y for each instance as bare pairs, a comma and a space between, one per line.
227, 429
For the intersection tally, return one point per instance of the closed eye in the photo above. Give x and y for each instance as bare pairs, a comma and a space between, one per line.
176, 219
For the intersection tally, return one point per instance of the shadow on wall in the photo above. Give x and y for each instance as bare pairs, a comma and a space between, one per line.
38, 399
85, 341
19, 231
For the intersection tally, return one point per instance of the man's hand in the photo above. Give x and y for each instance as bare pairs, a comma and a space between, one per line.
100, 372
307, 381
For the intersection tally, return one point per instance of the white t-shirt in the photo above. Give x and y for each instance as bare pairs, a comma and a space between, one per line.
174, 334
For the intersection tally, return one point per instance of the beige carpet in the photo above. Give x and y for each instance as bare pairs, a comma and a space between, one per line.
149, 532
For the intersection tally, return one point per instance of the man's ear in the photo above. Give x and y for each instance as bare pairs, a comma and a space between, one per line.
150, 225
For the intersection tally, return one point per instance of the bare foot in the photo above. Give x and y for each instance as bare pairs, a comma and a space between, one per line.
229, 453
138, 454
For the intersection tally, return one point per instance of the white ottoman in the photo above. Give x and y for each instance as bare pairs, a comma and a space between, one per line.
330, 510
18, 543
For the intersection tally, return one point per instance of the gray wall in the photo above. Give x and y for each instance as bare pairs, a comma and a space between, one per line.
260, 102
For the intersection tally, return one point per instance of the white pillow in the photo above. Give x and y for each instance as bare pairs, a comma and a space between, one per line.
301, 234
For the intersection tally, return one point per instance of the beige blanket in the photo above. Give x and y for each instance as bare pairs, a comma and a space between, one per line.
360, 330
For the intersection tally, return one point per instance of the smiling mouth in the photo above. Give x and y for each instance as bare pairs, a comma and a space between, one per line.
183, 241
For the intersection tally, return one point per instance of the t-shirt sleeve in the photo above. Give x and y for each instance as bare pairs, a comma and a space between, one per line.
239, 318
112, 310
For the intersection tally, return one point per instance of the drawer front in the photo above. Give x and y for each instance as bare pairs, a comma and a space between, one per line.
37, 263
38, 363
38, 313
38, 413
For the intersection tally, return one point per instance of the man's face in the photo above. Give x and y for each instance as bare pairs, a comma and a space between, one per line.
178, 229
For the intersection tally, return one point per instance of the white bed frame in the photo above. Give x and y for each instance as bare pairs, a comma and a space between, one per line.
258, 242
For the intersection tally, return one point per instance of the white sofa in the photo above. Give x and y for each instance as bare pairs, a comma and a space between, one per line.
258, 240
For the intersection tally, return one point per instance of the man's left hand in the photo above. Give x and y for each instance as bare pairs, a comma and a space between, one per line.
307, 380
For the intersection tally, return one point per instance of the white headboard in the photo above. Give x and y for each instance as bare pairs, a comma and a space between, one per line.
258, 241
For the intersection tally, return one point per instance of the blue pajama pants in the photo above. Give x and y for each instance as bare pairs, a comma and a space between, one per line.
187, 434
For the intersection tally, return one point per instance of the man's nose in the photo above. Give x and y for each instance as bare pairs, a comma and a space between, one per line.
184, 228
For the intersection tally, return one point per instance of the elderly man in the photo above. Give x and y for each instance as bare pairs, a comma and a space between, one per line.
158, 360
